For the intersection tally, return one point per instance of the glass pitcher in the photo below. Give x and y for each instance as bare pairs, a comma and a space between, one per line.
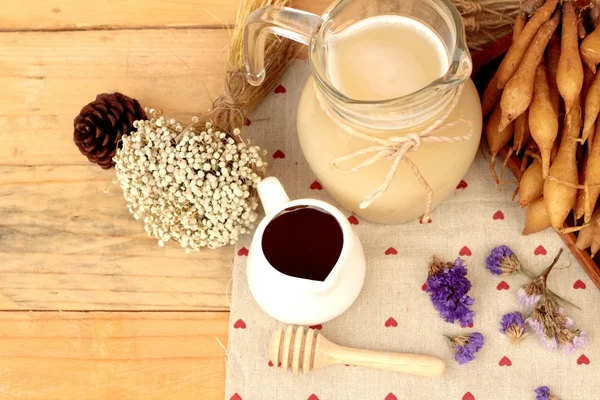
389, 120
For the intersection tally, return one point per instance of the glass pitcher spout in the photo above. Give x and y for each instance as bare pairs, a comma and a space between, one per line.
461, 64
282, 21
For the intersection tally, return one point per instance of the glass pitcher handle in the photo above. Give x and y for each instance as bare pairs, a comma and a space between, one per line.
282, 21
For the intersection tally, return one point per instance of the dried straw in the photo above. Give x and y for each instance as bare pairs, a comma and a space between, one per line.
486, 20
238, 96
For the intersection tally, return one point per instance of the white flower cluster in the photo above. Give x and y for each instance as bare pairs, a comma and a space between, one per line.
196, 188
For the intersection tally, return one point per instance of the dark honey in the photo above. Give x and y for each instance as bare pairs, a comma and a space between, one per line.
303, 242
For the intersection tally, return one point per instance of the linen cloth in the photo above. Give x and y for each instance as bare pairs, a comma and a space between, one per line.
393, 313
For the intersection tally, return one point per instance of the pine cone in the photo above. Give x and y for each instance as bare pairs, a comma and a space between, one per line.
100, 125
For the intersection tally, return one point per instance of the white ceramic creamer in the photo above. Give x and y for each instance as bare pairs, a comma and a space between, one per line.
300, 301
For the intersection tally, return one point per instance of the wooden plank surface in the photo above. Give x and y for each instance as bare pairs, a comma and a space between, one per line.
75, 247
125, 356
67, 245
120, 14
46, 78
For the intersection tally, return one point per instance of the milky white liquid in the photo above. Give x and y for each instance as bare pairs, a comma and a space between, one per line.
376, 59
385, 57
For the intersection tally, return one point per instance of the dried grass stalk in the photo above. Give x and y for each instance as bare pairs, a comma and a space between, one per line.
238, 96
486, 20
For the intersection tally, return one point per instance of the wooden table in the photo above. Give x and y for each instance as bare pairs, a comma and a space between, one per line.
90, 307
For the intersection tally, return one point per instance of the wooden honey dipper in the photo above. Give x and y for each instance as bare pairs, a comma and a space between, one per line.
295, 349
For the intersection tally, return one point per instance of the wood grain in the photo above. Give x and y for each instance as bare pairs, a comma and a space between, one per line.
46, 78
145, 356
64, 244
67, 245
120, 14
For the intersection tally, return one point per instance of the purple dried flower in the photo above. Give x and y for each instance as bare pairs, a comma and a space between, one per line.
581, 340
502, 261
513, 326
535, 325
549, 343
448, 286
569, 323
570, 340
514, 318
543, 393
531, 293
554, 329
465, 346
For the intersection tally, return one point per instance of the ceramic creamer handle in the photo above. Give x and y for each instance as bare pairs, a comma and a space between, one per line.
272, 194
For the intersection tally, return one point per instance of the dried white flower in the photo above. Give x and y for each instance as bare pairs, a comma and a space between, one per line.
198, 192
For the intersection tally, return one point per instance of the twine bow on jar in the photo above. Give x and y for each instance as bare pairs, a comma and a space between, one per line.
395, 148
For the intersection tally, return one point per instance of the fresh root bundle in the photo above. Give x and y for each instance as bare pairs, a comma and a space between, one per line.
545, 98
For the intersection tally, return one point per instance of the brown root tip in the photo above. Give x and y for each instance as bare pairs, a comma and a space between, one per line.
500, 84
572, 229
515, 193
493, 170
557, 229
528, 230
586, 133
504, 121
504, 164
